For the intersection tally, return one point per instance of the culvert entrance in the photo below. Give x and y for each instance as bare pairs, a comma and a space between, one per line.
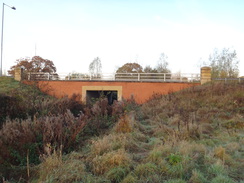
89, 93
93, 95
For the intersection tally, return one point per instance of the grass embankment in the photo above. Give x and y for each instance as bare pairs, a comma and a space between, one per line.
195, 135
19, 101
7, 85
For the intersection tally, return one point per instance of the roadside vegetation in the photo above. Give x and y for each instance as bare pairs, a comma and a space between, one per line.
194, 135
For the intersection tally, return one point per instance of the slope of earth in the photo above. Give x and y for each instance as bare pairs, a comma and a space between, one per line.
195, 135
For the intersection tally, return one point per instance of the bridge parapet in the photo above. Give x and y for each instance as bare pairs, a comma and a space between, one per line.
130, 77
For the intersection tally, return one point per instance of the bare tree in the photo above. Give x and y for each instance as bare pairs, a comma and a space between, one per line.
95, 68
224, 63
149, 69
162, 66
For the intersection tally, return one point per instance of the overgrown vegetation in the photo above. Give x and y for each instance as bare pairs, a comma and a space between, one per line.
195, 135
20, 101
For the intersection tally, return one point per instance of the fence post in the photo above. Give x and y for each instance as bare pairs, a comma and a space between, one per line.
138, 76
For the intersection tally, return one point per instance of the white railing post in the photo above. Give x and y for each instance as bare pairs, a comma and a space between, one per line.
164, 77
138, 76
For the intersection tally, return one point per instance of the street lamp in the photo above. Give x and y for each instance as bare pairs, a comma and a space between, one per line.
2, 36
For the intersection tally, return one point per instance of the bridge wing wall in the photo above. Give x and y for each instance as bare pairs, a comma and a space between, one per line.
141, 91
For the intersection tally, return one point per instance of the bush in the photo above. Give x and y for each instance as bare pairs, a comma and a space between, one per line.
11, 107
102, 116
126, 123
19, 137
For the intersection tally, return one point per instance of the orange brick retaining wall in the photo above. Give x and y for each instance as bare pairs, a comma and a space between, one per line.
141, 91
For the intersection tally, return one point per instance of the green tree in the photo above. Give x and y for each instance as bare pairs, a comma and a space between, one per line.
34, 64
130, 68
224, 63
95, 68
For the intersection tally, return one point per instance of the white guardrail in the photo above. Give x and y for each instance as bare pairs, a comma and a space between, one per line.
141, 77
240, 79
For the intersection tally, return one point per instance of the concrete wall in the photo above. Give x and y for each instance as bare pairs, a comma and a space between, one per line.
141, 91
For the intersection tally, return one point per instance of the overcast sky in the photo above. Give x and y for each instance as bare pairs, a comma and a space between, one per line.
72, 33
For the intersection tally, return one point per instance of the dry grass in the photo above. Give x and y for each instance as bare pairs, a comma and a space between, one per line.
145, 170
197, 177
126, 123
220, 153
191, 148
108, 143
55, 169
104, 163
233, 147
130, 179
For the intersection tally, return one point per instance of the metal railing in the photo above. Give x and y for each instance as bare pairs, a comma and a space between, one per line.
239, 80
140, 77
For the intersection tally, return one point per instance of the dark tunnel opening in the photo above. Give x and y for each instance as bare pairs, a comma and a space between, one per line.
93, 95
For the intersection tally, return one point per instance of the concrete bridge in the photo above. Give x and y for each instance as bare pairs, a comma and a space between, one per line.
141, 90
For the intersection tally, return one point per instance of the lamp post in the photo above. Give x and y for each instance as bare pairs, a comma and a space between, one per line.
12, 7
